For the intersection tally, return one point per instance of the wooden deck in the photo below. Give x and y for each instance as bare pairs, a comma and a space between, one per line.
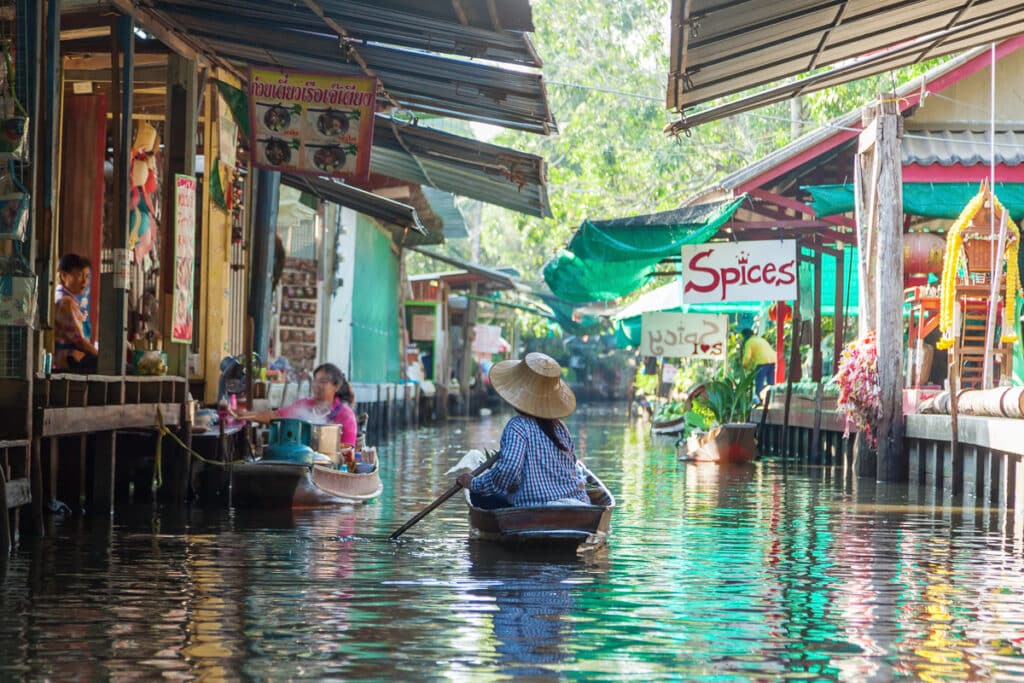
988, 467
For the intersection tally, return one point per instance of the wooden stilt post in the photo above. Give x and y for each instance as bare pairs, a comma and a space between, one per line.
892, 461
879, 206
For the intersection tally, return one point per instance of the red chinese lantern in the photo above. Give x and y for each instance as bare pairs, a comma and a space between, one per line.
922, 253
787, 312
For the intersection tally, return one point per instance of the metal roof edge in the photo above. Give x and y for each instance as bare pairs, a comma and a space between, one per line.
834, 128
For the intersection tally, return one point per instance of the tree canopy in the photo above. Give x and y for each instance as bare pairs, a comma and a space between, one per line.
605, 65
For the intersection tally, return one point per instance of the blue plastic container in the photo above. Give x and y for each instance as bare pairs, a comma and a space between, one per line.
289, 442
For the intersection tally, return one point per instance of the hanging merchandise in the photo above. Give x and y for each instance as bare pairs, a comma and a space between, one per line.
142, 215
14, 120
14, 208
17, 294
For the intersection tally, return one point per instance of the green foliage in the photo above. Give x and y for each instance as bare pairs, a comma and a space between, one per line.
646, 383
728, 398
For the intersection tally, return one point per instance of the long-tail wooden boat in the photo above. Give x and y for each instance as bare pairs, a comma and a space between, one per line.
292, 475
733, 442
556, 525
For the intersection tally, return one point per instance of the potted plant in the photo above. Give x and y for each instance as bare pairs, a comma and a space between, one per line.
723, 405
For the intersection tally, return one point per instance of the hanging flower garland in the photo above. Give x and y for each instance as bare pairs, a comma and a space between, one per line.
951, 264
859, 392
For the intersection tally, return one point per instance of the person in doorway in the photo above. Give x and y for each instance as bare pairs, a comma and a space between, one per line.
72, 352
758, 355
331, 403
538, 461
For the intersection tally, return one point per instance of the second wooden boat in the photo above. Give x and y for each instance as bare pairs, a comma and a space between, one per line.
669, 427
292, 475
274, 484
559, 525
734, 442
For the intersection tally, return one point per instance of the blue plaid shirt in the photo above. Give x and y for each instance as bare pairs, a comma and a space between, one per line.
531, 470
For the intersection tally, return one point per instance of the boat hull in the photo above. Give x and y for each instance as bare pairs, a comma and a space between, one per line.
275, 485
669, 427
574, 526
733, 443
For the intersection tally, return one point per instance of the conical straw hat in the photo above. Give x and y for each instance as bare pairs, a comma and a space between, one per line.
534, 386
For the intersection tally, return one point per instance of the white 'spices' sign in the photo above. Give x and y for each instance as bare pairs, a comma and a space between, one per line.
739, 271
684, 335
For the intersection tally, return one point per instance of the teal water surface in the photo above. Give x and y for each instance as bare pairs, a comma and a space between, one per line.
765, 572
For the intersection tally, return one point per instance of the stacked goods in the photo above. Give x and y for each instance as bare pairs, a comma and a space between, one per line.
298, 313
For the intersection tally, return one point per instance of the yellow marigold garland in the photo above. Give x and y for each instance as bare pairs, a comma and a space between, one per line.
951, 262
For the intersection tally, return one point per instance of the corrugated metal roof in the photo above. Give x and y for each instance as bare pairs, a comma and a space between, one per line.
469, 168
838, 127
443, 204
367, 203
722, 48
421, 81
962, 147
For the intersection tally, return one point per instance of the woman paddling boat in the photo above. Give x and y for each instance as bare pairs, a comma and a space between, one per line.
537, 490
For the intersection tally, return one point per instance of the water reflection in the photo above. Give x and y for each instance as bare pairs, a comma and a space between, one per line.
762, 571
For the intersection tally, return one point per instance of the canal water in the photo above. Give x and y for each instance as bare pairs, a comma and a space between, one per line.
767, 572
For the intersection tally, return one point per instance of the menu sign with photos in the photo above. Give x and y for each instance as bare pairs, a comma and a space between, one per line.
312, 123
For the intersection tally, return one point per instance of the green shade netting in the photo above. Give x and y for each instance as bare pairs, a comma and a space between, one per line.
578, 281
669, 298
932, 200
609, 259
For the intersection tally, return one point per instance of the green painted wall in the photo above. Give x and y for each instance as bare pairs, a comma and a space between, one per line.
375, 335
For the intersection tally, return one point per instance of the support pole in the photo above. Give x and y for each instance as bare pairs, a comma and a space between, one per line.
467, 349
892, 461
180, 149
114, 283
264, 227
839, 319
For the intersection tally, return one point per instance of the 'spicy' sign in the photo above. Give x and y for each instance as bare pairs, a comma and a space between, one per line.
684, 335
739, 271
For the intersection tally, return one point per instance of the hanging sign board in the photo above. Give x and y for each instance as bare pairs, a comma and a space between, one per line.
486, 339
423, 327
739, 271
184, 257
684, 335
315, 124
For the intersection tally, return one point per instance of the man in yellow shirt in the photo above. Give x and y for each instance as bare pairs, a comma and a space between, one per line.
758, 355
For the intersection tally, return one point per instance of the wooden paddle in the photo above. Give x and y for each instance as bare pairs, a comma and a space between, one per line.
442, 498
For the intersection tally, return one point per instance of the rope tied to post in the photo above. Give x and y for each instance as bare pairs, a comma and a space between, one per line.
162, 430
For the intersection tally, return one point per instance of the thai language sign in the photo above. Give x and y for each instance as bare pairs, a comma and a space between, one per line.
739, 271
684, 335
184, 257
312, 123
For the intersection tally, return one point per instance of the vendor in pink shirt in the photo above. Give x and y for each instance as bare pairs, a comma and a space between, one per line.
331, 403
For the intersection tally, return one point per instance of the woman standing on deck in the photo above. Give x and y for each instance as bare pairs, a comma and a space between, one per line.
538, 462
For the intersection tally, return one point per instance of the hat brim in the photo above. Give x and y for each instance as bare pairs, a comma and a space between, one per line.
529, 393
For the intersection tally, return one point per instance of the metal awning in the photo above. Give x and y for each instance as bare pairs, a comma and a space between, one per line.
466, 167
723, 48
443, 204
288, 34
412, 25
367, 203
468, 273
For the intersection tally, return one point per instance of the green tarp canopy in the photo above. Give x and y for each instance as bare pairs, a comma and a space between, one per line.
608, 259
932, 200
669, 298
